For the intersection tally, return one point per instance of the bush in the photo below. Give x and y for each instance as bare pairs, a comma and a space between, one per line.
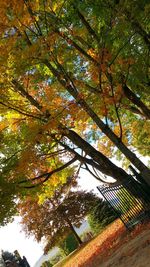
100, 216
69, 244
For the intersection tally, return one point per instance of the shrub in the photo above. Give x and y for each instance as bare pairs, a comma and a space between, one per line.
100, 216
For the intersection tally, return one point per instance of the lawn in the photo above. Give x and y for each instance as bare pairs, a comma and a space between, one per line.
114, 247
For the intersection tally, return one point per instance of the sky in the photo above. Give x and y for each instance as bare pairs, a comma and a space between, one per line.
11, 237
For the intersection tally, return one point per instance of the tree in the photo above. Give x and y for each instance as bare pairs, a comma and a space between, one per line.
69, 244
70, 76
6, 255
14, 259
100, 216
7, 201
47, 264
56, 217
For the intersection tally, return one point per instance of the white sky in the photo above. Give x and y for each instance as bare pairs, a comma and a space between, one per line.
11, 237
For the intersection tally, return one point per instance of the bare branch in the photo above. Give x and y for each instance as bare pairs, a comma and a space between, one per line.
95, 176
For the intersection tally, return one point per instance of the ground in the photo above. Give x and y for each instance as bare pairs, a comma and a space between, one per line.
115, 247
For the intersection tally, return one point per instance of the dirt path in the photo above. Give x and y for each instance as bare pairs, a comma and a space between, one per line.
135, 253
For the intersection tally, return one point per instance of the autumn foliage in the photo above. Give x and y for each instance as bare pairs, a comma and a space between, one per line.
74, 91
114, 247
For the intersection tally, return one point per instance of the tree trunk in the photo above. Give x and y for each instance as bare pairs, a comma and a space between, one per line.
145, 172
73, 231
136, 100
65, 82
137, 27
146, 37
104, 164
134, 110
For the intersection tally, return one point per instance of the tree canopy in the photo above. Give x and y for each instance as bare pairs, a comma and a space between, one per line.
68, 245
74, 89
56, 217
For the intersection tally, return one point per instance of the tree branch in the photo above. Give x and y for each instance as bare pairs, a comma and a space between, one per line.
120, 49
47, 175
86, 24
136, 100
20, 111
21, 90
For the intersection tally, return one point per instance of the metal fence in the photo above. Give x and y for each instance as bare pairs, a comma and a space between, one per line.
130, 200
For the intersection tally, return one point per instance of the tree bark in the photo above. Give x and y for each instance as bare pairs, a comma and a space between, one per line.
104, 164
73, 231
64, 80
136, 100
134, 110
137, 27
146, 37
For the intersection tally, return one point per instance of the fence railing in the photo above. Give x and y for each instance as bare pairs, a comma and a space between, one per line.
130, 200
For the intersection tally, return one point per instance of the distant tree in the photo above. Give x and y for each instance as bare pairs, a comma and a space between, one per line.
14, 259
69, 244
100, 216
6, 255
55, 259
47, 264
7, 201
56, 216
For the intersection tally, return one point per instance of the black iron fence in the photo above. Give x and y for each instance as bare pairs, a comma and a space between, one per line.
130, 200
